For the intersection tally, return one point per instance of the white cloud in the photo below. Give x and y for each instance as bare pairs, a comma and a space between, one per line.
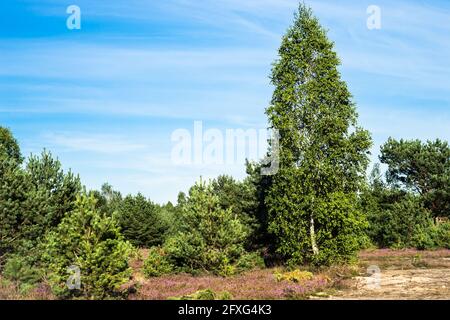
98, 143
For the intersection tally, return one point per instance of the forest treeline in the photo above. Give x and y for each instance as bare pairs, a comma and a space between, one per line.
320, 208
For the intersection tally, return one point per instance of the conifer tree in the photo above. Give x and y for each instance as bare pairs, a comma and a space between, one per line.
91, 242
141, 221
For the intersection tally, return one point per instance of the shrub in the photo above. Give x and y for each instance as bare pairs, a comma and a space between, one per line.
157, 263
294, 276
206, 294
250, 261
442, 235
93, 243
20, 271
399, 220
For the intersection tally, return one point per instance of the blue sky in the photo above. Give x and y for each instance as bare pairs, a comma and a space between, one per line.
105, 99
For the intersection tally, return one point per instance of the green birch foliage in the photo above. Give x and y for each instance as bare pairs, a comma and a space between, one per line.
323, 152
92, 242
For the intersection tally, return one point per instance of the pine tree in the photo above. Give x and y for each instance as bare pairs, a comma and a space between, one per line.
13, 195
323, 153
92, 242
51, 194
13, 189
423, 168
210, 239
141, 221
9, 146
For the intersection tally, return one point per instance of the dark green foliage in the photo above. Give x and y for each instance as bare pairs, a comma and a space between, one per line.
13, 188
323, 153
33, 200
442, 235
397, 218
170, 217
211, 239
421, 167
51, 194
92, 242
240, 198
249, 261
259, 185
13, 198
404, 223
141, 221
21, 270
108, 199
9, 148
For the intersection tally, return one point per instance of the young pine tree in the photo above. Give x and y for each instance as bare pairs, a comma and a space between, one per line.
92, 242
323, 154
210, 239
51, 195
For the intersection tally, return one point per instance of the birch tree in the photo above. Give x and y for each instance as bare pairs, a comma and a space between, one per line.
323, 152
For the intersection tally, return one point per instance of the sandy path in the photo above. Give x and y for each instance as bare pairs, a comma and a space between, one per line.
398, 283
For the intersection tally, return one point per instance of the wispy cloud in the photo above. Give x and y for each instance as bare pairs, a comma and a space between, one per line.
107, 98
97, 143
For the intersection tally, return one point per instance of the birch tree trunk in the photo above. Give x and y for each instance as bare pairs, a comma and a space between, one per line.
312, 232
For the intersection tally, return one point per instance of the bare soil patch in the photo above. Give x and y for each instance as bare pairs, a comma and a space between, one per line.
405, 275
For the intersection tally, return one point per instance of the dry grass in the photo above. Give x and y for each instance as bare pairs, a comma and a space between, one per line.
11, 291
405, 259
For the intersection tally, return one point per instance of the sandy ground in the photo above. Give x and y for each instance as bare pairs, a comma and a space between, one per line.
411, 276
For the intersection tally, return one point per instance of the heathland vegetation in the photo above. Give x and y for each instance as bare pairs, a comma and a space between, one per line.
318, 210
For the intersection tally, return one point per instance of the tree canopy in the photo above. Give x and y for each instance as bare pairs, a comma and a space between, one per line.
323, 152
